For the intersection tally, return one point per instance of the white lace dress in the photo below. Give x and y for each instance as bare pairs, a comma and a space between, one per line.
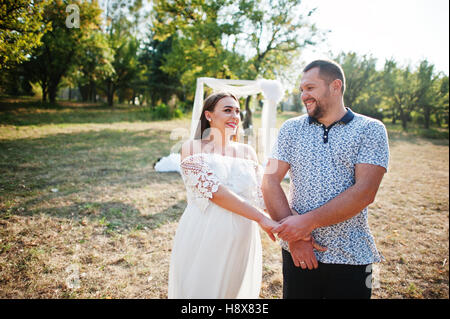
217, 253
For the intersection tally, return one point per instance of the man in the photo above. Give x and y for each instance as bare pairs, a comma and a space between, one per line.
336, 160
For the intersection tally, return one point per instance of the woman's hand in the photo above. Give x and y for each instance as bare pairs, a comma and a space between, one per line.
294, 228
267, 225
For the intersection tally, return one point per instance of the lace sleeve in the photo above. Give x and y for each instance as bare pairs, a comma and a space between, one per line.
198, 177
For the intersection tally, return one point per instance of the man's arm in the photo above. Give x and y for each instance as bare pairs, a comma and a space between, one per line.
278, 208
344, 206
274, 196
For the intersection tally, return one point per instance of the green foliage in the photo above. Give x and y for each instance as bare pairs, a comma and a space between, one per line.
159, 84
430, 98
62, 46
21, 30
363, 92
399, 93
14, 82
195, 34
272, 33
403, 91
186, 39
122, 22
163, 112
225, 39
125, 66
92, 66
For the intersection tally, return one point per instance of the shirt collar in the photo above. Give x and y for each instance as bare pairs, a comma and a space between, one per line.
345, 119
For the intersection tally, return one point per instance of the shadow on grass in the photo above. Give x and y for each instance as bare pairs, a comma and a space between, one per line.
399, 136
115, 217
75, 167
24, 113
417, 134
95, 116
96, 150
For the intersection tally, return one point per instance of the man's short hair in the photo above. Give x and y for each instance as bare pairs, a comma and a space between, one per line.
328, 70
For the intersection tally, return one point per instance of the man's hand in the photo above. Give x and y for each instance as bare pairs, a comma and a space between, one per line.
303, 255
294, 228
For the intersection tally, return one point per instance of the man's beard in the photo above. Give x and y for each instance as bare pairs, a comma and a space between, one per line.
318, 111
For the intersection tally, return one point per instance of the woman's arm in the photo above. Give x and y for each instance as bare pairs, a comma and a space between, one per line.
224, 197
230, 201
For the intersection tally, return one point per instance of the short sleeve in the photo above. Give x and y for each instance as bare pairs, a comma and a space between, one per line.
282, 148
374, 148
198, 177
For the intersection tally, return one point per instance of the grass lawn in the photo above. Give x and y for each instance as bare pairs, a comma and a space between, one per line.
83, 214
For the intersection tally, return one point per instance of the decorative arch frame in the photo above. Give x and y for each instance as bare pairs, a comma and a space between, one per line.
270, 89
272, 92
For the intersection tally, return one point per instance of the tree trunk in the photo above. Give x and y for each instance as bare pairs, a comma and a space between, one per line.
93, 92
394, 116
53, 86
427, 115
110, 98
44, 92
404, 119
52, 94
83, 92
248, 121
438, 119
110, 93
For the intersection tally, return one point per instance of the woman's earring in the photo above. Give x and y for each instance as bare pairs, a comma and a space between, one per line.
209, 120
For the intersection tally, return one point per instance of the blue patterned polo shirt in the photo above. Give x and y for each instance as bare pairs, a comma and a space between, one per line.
322, 165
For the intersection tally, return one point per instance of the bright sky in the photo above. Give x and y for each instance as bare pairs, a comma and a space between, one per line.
407, 30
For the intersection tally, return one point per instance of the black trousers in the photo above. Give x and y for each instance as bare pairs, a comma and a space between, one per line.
328, 281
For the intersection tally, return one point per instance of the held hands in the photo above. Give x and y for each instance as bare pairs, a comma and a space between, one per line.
268, 225
301, 250
294, 228
298, 235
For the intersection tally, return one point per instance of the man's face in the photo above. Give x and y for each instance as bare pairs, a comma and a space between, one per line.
315, 93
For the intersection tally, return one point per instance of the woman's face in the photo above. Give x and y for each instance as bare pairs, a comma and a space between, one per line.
225, 116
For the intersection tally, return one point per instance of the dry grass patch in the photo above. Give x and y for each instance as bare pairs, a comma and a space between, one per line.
83, 214
409, 220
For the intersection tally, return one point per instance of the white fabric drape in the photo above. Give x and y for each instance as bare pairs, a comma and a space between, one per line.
272, 92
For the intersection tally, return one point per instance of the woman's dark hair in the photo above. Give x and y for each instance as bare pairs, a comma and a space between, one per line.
209, 105
328, 70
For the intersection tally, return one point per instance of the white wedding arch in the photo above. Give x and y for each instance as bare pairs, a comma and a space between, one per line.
272, 92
